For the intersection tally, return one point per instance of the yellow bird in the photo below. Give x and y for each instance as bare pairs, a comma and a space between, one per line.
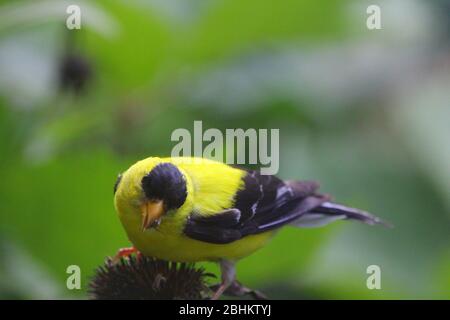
193, 209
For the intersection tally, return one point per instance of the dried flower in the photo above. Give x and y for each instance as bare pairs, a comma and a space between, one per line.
145, 278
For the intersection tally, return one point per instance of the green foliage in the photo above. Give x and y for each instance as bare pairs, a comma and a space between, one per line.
248, 64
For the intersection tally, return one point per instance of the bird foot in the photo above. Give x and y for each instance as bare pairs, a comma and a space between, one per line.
124, 253
159, 279
236, 289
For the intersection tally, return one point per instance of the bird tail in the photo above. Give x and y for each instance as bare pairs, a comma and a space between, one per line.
329, 212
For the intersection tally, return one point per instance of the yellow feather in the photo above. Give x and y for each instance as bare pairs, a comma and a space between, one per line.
211, 187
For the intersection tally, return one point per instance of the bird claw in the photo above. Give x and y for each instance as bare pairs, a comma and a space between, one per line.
159, 279
236, 289
124, 253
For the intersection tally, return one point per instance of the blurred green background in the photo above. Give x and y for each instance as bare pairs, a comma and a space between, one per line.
366, 113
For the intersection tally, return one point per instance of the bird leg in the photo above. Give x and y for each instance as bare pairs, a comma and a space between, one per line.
236, 289
228, 277
230, 286
124, 253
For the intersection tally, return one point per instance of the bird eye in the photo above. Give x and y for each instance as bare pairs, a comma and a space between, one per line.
116, 185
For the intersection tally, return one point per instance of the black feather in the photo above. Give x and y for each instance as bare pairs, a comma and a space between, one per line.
213, 234
226, 218
246, 199
351, 213
219, 228
289, 212
267, 203
165, 182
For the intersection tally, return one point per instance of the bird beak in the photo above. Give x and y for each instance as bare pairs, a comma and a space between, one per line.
151, 214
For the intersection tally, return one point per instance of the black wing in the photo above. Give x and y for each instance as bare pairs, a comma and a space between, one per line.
265, 203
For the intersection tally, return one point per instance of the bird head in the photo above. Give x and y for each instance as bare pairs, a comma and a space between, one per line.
155, 187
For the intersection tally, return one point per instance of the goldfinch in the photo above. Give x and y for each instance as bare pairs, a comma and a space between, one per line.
192, 209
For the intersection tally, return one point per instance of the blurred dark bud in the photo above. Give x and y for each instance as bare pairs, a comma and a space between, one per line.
145, 278
74, 73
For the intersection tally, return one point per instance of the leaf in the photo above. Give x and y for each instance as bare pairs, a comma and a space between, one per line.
68, 216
